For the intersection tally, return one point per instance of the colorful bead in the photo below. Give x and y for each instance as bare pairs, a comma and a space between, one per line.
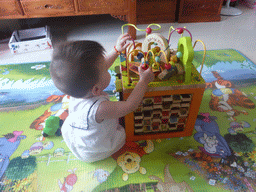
174, 58
144, 66
180, 31
140, 56
168, 66
155, 50
155, 68
157, 59
179, 54
172, 63
148, 30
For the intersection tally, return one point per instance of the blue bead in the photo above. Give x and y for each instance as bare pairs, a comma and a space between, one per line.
157, 59
179, 54
140, 56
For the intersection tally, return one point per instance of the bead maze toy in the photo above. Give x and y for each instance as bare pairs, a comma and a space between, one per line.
171, 103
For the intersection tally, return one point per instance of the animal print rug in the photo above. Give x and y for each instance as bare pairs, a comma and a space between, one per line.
219, 156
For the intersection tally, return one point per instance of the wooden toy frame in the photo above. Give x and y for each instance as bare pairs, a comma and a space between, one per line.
156, 121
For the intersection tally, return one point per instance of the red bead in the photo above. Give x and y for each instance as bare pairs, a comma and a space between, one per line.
144, 66
180, 31
123, 68
168, 66
148, 30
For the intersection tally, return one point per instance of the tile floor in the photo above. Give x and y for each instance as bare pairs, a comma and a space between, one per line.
237, 32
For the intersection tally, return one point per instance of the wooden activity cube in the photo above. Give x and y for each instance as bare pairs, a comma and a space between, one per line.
171, 103
168, 109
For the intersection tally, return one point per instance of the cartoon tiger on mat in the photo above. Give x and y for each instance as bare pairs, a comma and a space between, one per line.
225, 96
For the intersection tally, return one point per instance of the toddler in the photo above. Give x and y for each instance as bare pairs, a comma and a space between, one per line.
80, 69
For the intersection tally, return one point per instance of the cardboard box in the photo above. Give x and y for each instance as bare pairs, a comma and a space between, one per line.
28, 40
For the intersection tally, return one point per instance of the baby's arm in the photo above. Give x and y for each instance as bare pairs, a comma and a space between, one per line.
121, 45
113, 110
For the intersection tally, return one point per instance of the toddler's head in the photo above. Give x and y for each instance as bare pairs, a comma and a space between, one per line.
75, 67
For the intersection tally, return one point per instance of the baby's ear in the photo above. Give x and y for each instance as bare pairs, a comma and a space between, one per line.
96, 90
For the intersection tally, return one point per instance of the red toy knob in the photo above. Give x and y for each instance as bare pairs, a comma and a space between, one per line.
144, 66
148, 30
180, 31
168, 66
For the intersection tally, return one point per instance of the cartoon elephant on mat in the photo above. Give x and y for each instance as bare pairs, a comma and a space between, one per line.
8, 145
208, 134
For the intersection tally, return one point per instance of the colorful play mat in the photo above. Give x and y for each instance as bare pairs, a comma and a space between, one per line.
219, 156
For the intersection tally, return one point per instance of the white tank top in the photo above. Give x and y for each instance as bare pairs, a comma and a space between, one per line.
88, 140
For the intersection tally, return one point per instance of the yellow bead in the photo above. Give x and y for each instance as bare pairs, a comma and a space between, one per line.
172, 63
157, 49
153, 50
154, 66
174, 58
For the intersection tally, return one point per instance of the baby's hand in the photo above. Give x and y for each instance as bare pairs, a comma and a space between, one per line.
121, 42
146, 75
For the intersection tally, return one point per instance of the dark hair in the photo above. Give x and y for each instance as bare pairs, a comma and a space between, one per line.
75, 67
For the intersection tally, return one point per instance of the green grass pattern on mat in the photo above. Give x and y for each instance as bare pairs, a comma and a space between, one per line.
214, 56
24, 71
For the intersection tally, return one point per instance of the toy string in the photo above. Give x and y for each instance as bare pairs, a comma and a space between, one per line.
129, 24
203, 56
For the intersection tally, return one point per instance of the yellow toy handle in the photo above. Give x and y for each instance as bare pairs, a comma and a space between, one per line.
161, 51
203, 56
152, 55
134, 51
129, 24
154, 61
127, 62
